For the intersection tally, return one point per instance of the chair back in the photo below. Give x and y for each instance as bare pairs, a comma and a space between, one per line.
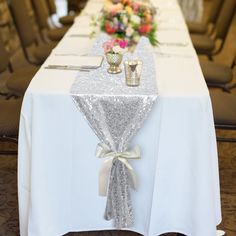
225, 18
22, 20
42, 13
51, 7
4, 57
234, 62
73, 5
215, 11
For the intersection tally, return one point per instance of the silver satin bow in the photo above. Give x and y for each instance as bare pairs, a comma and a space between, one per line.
103, 151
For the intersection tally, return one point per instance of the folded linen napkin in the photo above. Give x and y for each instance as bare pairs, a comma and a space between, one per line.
75, 61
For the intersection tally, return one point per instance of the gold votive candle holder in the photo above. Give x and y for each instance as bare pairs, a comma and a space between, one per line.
133, 70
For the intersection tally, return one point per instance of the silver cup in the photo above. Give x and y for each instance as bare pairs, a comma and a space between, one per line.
133, 70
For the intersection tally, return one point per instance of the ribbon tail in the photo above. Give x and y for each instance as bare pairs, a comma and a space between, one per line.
104, 177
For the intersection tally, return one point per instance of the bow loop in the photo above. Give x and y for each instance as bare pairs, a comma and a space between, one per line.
103, 151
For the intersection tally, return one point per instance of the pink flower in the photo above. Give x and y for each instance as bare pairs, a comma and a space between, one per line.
107, 46
135, 6
114, 41
115, 45
123, 43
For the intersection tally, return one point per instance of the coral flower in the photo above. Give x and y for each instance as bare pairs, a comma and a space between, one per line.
145, 29
116, 8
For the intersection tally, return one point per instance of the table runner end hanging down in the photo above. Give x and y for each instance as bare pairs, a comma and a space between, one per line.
115, 112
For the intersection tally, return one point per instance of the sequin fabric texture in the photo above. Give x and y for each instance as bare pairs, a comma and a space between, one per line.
115, 112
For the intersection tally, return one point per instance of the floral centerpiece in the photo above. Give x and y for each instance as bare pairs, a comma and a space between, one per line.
129, 20
114, 50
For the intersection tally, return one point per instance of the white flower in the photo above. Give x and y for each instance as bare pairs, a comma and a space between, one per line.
115, 21
136, 38
129, 31
135, 19
117, 49
124, 50
125, 20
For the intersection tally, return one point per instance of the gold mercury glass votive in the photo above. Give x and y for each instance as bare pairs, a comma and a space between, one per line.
133, 71
114, 60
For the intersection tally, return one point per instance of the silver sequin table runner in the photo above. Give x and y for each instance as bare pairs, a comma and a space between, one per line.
115, 112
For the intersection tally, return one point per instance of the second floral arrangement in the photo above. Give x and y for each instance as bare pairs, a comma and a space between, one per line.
129, 20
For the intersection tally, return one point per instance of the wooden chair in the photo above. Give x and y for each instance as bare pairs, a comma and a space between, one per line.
51, 7
65, 20
18, 81
75, 5
68, 19
209, 46
224, 110
207, 26
74, 8
42, 14
9, 123
217, 75
27, 34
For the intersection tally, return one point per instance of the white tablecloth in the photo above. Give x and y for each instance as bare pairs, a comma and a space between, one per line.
178, 172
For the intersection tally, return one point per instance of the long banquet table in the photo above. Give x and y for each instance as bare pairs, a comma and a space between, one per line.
178, 171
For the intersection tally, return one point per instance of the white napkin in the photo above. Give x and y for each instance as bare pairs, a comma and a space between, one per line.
82, 21
92, 8
167, 37
166, 26
74, 45
164, 4
79, 31
187, 51
180, 44
75, 61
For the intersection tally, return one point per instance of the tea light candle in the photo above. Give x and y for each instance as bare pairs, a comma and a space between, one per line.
133, 71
